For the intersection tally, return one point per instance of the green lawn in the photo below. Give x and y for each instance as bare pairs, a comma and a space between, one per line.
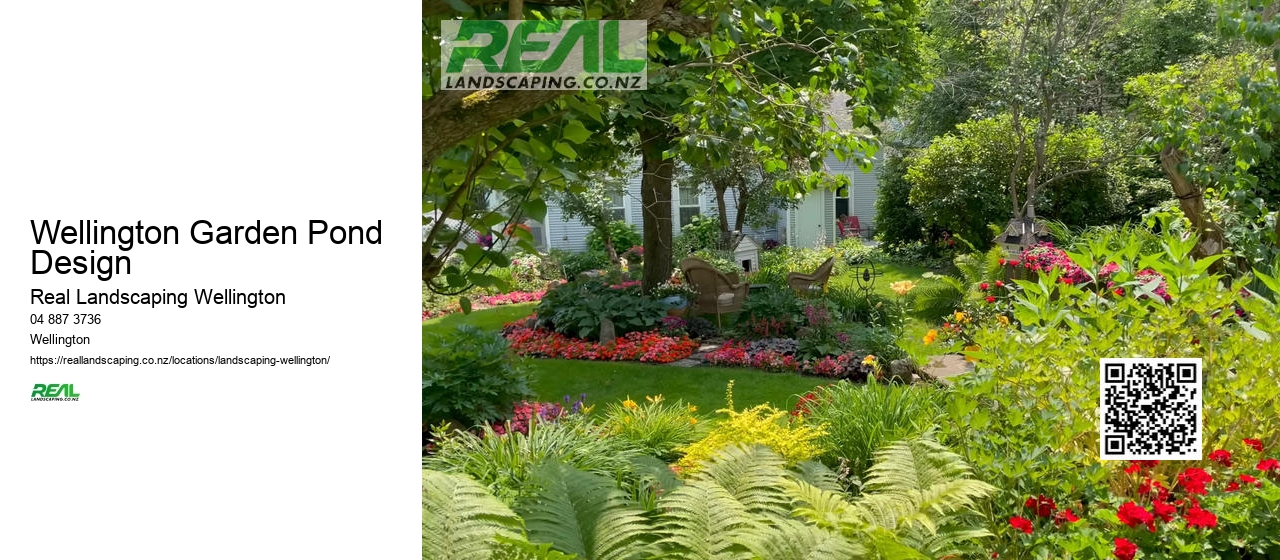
704, 387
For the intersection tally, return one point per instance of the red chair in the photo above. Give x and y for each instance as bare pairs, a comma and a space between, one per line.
849, 226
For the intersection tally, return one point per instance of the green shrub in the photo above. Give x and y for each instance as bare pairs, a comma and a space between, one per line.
880, 342
861, 418
1027, 417
624, 237
576, 309
856, 306
701, 234
654, 426
577, 263
469, 377
506, 463
897, 221
771, 312
720, 260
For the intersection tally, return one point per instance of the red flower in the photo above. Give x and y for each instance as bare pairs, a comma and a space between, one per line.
1043, 506
1222, 456
1065, 515
1125, 549
999, 283
1021, 523
1200, 518
1194, 480
1256, 444
1164, 510
1232, 486
991, 299
1001, 262
1136, 466
1268, 465
984, 286
1132, 514
1250, 480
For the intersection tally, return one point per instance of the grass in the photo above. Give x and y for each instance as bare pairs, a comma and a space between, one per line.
614, 381
703, 387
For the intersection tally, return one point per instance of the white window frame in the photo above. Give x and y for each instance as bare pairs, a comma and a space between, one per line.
680, 205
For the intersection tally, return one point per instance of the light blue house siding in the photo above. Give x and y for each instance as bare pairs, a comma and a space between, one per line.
571, 234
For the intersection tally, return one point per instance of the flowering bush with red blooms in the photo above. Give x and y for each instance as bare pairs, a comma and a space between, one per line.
649, 347
1209, 512
737, 353
485, 302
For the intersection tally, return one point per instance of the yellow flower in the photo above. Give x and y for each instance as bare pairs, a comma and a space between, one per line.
870, 360
961, 317
692, 420
930, 336
626, 419
654, 399
1004, 320
901, 287
693, 408
972, 348
630, 404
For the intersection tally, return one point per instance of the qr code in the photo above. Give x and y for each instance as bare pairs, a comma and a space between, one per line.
1151, 409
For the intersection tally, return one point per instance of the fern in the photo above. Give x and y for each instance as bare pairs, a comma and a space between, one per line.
793, 540
700, 520
819, 475
752, 475
460, 518
920, 490
584, 514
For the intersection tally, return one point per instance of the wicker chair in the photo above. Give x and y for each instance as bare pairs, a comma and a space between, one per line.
717, 292
810, 283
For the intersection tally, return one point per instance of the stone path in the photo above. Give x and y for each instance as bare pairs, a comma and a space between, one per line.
947, 366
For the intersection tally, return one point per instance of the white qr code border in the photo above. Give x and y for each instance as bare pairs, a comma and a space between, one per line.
1104, 434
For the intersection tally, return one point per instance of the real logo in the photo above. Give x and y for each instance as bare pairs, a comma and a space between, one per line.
543, 54
54, 392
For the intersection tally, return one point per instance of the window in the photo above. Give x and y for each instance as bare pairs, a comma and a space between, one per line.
842, 202
690, 205
617, 205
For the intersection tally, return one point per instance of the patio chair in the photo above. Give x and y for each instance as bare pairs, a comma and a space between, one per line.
812, 283
717, 292
849, 226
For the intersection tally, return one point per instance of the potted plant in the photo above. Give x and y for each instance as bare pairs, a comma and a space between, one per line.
675, 295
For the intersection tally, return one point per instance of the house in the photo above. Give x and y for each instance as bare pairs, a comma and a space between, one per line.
813, 221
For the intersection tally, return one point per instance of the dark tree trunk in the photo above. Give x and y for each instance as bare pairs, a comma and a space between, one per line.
743, 196
723, 210
655, 196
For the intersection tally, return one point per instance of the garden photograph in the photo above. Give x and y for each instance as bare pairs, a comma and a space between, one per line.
919, 279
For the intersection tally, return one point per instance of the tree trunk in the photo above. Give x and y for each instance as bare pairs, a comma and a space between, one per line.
743, 196
609, 249
1191, 200
655, 197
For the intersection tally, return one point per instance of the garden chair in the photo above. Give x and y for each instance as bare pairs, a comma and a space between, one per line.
812, 283
849, 226
717, 292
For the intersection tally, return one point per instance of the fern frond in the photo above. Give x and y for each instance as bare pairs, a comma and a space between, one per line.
819, 475
460, 518
753, 475
954, 541
918, 483
823, 508
938, 296
792, 540
585, 514
700, 521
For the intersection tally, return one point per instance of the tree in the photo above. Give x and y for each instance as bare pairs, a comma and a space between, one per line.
592, 203
958, 182
756, 200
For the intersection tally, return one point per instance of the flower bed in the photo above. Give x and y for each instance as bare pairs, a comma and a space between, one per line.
485, 302
647, 347
738, 353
